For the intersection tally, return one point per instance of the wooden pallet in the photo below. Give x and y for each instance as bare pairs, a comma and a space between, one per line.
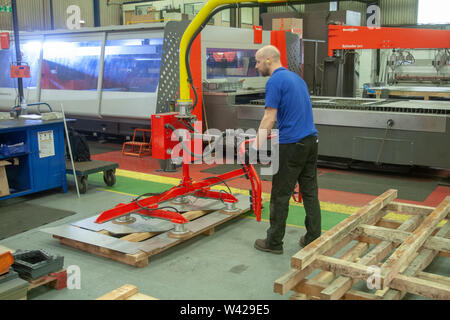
200, 222
54, 280
126, 292
367, 248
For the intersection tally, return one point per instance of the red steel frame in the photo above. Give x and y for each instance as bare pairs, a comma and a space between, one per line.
350, 37
187, 187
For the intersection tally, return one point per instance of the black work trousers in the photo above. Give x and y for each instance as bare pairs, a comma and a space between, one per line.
297, 163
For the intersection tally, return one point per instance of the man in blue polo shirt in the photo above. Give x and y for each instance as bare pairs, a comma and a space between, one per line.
289, 104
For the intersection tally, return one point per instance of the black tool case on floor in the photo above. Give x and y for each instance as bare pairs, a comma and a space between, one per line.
33, 264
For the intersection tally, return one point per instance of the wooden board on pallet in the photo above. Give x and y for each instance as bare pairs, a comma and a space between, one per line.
367, 238
126, 292
136, 248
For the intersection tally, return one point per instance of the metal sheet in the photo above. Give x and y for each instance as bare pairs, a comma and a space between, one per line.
368, 119
140, 225
144, 224
93, 238
197, 225
374, 119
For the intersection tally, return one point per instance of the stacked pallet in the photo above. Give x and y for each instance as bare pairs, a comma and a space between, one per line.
370, 257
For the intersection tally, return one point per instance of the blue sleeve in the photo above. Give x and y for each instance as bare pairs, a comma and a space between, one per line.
273, 96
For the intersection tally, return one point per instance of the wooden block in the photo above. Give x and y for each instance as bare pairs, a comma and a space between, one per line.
291, 278
122, 293
422, 260
307, 255
400, 282
140, 296
314, 288
299, 296
411, 209
398, 236
192, 215
140, 236
346, 268
209, 232
139, 260
381, 293
421, 287
402, 256
352, 254
4, 186
434, 277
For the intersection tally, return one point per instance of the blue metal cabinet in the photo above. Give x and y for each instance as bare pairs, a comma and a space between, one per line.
40, 153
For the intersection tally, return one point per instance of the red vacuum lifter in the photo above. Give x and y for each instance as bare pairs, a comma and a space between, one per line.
164, 125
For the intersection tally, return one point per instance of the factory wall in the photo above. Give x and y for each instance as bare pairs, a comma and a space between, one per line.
31, 16
35, 14
398, 12
286, 8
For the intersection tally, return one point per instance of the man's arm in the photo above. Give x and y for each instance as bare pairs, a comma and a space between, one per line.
267, 122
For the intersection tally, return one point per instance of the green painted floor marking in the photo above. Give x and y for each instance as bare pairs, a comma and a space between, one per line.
135, 187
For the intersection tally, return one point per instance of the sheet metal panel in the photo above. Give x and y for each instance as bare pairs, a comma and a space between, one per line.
151, 245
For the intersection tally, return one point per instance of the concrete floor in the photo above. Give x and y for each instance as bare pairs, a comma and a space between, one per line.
222, 266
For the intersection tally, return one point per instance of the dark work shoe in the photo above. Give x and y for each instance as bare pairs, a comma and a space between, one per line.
260, 244
302, 241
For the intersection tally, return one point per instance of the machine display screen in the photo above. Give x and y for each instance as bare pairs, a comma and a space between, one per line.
132, 65
70, 65
226, 63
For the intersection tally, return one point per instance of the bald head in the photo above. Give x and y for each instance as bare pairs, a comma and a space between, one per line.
270, 52
267, 60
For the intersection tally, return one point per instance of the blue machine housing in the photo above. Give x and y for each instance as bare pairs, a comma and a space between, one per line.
40, 167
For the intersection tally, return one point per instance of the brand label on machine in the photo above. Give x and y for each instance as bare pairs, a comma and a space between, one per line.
46, 144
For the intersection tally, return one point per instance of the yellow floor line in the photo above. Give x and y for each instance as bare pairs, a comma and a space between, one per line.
327, 206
